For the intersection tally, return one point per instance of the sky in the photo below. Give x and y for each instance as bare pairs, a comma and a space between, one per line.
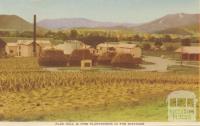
130, 11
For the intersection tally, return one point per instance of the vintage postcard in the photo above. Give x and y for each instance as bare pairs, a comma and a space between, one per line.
99, 62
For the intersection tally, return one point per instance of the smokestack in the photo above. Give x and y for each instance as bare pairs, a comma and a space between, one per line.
34, 36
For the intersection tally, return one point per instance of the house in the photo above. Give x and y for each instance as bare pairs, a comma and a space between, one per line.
69, 46
189, 53
119, 48
42, 43
129, 48
2, 48
24, 48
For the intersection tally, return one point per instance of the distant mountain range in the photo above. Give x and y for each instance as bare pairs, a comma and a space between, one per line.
170, 24
185, 30
15, 23
78, 22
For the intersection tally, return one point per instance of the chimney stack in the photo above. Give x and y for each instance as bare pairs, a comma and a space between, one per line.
34, 36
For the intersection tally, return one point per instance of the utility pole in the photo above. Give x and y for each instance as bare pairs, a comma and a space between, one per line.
34, 37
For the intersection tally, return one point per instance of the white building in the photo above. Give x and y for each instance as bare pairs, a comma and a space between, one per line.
189, 53
119, 48
24, 48
42, 43
69, 46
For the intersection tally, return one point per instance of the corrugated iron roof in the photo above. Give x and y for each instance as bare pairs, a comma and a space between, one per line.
12, 44
27, 42
125, 45
189, 50
118, 45
60, 46
107, 45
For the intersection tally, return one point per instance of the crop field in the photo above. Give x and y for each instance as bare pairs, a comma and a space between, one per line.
28, 93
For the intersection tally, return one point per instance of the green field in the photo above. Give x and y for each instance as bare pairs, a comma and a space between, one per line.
14, 39
28, 93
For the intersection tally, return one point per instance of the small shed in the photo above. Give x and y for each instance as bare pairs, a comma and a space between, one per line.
2, 48
12, 49
86, 64
181, 106
189, 53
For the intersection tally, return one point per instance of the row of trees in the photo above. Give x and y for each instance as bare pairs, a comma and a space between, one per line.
136, 37
27, 34
92, 39
95, 37
169, 47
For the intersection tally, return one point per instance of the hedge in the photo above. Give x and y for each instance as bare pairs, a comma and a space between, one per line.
105, 58
80, 54
53, 58
125, 60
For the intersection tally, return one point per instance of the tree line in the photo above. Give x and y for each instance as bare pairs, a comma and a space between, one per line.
94, 38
